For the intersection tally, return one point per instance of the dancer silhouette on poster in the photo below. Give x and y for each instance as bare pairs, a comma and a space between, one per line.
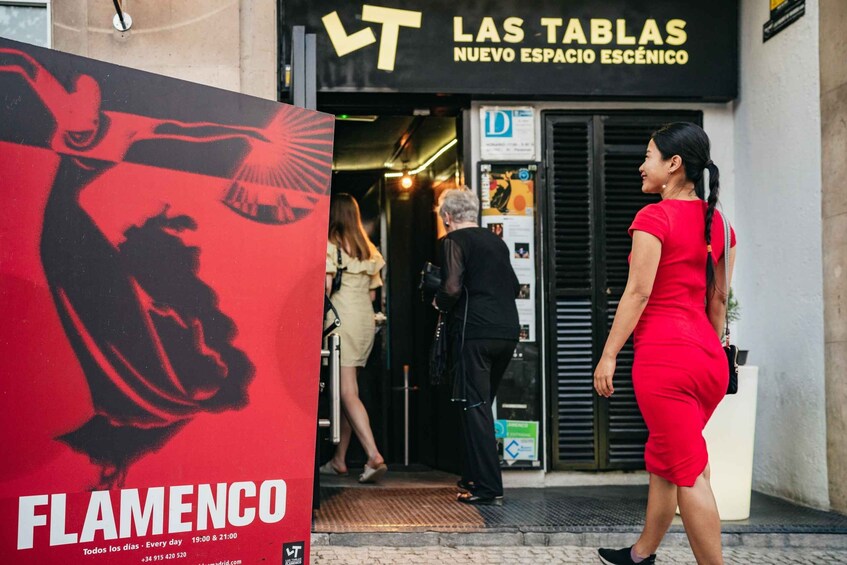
501, 196
149, 335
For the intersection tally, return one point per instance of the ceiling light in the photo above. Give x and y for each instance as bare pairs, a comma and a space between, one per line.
426, 163
406, 181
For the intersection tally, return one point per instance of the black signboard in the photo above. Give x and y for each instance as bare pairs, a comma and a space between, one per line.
658, 49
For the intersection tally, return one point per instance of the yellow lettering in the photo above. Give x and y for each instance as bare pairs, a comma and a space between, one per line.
682, 57
623, 38
343, 43
574, 32
526, 55
392, 20
676, 32
552, 24
650, 33
488, 31
513, 29
601, 31
458, 31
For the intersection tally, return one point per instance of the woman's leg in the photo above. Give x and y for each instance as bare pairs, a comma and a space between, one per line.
661, 507
483, 462
339, 460
702, 522
357, 416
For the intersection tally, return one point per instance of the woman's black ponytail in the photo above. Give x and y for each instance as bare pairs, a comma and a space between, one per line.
691, 143
711, 201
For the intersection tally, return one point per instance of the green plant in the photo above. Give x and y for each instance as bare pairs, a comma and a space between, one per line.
733, 308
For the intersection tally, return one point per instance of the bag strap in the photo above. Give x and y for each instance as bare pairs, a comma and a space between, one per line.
338, 252
726, 244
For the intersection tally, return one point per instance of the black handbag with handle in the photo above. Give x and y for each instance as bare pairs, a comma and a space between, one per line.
730, 350
430, 278
438, 352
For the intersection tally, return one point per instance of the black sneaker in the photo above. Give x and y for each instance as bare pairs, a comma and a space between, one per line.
622, 557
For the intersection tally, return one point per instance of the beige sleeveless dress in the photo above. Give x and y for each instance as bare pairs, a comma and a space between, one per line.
353, 303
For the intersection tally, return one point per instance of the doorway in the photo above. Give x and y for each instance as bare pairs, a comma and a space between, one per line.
396, 166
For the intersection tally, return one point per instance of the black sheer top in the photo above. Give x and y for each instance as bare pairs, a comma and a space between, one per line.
478, 260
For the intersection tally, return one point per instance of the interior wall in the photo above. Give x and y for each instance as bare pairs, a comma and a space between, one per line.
779, 261
228, 44
833, 68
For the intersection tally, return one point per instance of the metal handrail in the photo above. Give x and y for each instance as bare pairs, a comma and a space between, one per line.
333, 355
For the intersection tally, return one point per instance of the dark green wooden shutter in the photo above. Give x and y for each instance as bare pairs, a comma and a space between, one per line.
570, 183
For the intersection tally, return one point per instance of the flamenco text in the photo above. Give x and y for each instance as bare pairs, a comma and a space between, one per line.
120, 514
571, 41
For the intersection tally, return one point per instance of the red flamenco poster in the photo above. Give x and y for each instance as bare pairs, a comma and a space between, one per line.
161, 272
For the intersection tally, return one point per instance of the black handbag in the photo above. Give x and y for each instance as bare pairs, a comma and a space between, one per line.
430, 278
438, 352
730, 350
336, 280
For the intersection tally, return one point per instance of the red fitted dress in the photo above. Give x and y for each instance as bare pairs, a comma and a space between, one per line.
680, 370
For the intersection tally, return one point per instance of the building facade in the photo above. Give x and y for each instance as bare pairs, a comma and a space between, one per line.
775, 111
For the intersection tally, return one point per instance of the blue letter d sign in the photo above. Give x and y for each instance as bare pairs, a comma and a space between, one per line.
498, 123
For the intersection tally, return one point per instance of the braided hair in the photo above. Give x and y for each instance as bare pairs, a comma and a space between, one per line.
691, 143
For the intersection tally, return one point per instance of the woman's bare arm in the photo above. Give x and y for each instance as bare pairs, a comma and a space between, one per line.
646, 253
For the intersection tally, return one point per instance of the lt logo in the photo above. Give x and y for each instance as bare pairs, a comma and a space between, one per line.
392, 19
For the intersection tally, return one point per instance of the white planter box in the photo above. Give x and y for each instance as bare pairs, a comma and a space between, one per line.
729, 437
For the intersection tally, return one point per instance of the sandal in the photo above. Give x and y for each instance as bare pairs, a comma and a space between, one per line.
328, 469
373, 474
465, 486
469, 498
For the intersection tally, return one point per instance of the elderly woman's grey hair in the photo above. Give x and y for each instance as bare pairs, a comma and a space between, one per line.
461, 203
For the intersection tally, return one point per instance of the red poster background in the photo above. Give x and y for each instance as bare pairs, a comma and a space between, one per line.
266, 276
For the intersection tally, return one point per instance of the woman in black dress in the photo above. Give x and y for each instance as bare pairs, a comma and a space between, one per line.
478, 290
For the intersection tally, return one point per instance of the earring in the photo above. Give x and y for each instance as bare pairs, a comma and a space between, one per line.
664, 187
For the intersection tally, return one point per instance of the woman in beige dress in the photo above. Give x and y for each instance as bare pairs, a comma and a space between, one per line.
349, 250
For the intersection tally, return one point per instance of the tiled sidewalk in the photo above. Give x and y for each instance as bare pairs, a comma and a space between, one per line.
323, 555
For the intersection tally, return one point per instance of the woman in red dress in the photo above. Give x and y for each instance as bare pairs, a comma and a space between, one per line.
675, 303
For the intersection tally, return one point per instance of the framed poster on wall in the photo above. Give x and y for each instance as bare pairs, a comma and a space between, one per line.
508, 195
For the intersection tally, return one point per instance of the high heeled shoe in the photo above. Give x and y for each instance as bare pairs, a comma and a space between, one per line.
470, 498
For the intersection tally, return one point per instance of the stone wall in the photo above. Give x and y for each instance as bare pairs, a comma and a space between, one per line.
230, 44
833, 71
